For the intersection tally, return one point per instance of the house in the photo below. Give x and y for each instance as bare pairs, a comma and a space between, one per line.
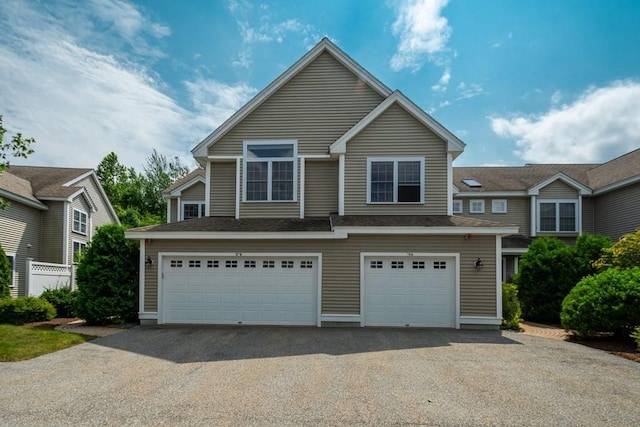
560, 200
52, 215
327, 201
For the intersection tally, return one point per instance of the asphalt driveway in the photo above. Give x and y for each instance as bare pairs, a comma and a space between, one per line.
308, 376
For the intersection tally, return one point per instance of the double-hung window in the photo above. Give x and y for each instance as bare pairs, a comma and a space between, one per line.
395, 180
558, 216
270, 171
79, 222
78, 248
192, 210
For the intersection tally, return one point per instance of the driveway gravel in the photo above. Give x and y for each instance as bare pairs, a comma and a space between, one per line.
263, 376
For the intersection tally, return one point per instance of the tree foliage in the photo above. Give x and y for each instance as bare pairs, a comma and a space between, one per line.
625, 253
107, 278
5, 274
137, 198
550, 269
17, 147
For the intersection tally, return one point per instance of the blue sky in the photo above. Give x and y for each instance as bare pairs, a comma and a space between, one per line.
541, 81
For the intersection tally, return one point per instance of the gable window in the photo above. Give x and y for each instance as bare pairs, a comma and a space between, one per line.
395, 180
270, 171
457, 206
476, 206
78, 248
558, 216
192, 210
79, 222
499, 206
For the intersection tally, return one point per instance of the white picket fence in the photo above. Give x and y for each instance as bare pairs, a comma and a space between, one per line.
44, 275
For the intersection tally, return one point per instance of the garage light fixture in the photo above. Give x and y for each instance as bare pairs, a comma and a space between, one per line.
478, 264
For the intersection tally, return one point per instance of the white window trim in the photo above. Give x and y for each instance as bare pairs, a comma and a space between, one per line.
294, 159
202, 207
457, 206
14, 268
473, 211
86, 222
72, 252
495, 203
557, 203
395, 161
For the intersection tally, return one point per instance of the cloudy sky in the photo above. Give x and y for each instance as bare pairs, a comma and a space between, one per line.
518, 81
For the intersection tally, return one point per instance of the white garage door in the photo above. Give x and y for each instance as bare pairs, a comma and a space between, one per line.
409, 291
278, 290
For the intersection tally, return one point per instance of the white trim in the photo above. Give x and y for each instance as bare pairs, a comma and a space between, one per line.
179, 213
14, 268
207, 190
488, 194
141, 277
239, 165
198, 179
396, 161
96, 182
449, 184
504, 231
341, 181
498, 277
514, 251
303, 163
325, 45
317, 255
534, 215
480, 320
473, 211
66, 236
169, 201
616, 185
557, 202
223, 157
269, 161
504, 268
12, 196
314, 156
453, 206
200, 203
148, 315
579, 214
341, 318
78, 178
493, 206
453, 144
516, 264
455, 255
535, 190
233, 235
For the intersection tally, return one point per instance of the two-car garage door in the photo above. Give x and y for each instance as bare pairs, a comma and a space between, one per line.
277, 290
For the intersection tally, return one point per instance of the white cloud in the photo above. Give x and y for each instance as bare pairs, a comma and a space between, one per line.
599, 125
471, 90
80, 104
556, 98
443, 82
423, 33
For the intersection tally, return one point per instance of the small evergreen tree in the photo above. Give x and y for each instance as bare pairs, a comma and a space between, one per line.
107, 278
5, 274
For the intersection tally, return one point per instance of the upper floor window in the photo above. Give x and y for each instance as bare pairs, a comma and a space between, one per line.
79, 222
192, 210
499, 206
559, 216
270, 171
476, 206
457, 206
78, 248
395, 180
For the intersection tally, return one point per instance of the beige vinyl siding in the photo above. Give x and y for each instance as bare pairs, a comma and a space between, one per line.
102, 215
588, 219
315, 107
271, 209
223, 189
321, 188
52, 232
195, 192
558, 190
618, 212
20, 227
396, 134
341, 265
80, 204
173, 210
518, 211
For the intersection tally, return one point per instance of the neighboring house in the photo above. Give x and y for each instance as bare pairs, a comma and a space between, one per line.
561, 200
52, 215
327, 200
186, 197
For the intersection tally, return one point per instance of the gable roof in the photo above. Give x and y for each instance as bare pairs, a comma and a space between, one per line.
454, 145
325, 45
193, 177
15, 188
618, 170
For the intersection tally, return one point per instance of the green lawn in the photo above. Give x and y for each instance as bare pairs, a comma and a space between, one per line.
22, 343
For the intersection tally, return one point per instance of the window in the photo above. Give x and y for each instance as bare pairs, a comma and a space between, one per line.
476, 206
78, 248
12, 263
287, 264
499, 206
457, 206
268, 264
439, 265
249, 264
397, 264
231, 264
213, 264
376, 264
79, 222
418, 265
192, 210
392, 180
469, 182
176, 263
558, 216
194, 263
306, 264
270, 171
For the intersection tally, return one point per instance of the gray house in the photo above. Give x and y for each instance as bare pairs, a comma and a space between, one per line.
326, 199
52, 215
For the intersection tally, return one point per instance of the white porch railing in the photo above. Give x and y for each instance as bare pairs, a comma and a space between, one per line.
44, 275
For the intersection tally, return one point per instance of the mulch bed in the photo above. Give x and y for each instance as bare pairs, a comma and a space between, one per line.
51, 324
612, 345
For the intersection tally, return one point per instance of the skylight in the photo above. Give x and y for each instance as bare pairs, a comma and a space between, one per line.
471, 182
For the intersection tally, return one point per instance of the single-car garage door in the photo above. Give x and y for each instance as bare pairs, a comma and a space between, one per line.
409, 291
271, 290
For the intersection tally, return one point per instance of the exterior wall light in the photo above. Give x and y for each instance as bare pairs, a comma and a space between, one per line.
148, 262
478, 265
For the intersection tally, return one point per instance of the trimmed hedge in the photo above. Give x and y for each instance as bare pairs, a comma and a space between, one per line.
18, 311
606, 302
63, 299
511, 312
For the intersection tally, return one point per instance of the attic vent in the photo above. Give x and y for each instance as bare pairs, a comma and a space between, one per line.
471, 182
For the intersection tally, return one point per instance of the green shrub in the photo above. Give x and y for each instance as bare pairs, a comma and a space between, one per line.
636, 335
23, 310
606, 302
107, 278
625, 253
63, 299
511, 311
5, 274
